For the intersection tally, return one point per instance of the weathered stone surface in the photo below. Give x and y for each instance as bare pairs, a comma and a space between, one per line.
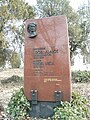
47, 63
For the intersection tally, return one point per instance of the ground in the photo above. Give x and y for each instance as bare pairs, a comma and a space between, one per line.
7, 90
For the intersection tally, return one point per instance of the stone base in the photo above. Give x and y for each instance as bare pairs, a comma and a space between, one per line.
43, 109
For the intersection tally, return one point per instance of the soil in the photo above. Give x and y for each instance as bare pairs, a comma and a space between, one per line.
7, 90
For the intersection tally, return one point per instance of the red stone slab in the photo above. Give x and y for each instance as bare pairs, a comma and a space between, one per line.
47, 59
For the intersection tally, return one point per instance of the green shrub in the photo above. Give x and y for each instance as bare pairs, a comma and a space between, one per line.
15, 60
12, 79
18, 106
2, 57
81, 76
77, 109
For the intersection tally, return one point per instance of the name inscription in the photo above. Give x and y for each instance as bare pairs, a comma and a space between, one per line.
42, 52
40, 61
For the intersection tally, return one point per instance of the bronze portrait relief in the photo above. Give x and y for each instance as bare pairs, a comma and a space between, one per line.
31, 28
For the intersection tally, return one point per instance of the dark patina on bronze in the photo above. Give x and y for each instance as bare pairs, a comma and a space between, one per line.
31, 28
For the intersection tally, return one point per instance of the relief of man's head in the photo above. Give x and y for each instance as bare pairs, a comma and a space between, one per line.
32, 30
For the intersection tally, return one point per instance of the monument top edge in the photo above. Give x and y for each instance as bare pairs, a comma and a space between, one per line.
57, 16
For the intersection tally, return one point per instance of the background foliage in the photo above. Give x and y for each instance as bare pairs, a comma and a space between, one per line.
13, 79
81, 76
12, 13
15, 60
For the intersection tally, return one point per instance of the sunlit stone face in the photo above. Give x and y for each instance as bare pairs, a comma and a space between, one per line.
47, 63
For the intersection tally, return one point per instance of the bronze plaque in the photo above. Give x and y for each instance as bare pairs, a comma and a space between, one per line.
47, 58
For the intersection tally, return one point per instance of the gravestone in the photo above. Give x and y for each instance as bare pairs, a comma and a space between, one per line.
47, 64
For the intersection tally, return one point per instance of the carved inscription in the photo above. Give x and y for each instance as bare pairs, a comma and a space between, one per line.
51, 80
38, 61
40, 53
